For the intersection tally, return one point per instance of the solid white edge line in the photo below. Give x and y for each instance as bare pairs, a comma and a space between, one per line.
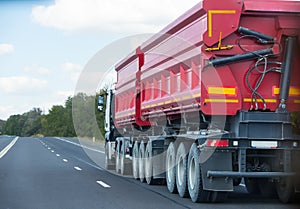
79, 145
8, 147
77, 168
103, 184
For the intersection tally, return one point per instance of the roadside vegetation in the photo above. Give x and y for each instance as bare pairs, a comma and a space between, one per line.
59, 120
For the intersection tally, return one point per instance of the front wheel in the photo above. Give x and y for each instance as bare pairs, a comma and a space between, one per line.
109, 161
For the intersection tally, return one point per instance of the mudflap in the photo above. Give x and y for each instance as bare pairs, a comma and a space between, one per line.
216, 160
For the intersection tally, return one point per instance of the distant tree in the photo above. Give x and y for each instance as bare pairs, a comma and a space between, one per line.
32, 124
2, 124
14, 125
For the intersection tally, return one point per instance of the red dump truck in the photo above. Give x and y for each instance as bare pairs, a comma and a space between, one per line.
206, 103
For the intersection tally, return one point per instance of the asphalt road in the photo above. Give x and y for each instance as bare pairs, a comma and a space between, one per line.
50, 173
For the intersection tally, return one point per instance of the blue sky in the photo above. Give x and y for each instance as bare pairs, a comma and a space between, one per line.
45, 44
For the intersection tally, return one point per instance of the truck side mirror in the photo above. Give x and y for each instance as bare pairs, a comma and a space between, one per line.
100, 103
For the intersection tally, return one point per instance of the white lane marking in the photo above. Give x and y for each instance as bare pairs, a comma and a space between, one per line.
77, 168
79, 145
49, 148
243, 185
52, 150
8, 147
57, 155
103, 184
65, 160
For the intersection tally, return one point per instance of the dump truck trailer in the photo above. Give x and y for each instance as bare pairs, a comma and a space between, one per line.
206, 103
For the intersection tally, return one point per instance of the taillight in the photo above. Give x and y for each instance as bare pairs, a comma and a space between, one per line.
217, 142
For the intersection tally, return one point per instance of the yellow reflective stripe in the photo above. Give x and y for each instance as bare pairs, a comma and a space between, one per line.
297, 101
260, 100
292, 91
209, 19
222, 100
196, 95
221, 90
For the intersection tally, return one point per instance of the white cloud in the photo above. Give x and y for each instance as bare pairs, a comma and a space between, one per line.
19, 85
65, 94
6, 49
111, 15
37, 70
73, 70
71, 67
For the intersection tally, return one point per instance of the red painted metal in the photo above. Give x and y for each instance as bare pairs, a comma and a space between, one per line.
166, 75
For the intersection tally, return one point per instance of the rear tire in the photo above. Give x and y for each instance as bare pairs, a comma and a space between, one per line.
135, 160
195, 186
149, 164
285, 190
142, 162
181, 170
171, 168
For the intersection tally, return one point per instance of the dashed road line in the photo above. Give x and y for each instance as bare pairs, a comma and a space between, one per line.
77, 168
57, 155
79, 145
65, 160
8, 147
52, 150
103, 184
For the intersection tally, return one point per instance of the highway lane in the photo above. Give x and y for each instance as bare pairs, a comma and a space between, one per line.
52, 173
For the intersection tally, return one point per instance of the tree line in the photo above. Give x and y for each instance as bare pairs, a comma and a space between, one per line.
72, 119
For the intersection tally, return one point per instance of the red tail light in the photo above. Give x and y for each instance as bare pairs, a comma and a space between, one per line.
217, 143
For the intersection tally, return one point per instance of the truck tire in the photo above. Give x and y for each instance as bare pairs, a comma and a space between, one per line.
195, 186
285, 190
181, 170
118, 157
149, 164
109, 163
142, 162
171, 168
135, 161
125, 164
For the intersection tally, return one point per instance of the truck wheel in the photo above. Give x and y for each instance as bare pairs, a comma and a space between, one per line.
171, 168
181, 170
125, 164
142, 162
195, 186
149, 164
252, 186
285, 190
135, 160
109, 163
118, 157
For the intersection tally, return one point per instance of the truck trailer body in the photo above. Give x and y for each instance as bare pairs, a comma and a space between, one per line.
207, 102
